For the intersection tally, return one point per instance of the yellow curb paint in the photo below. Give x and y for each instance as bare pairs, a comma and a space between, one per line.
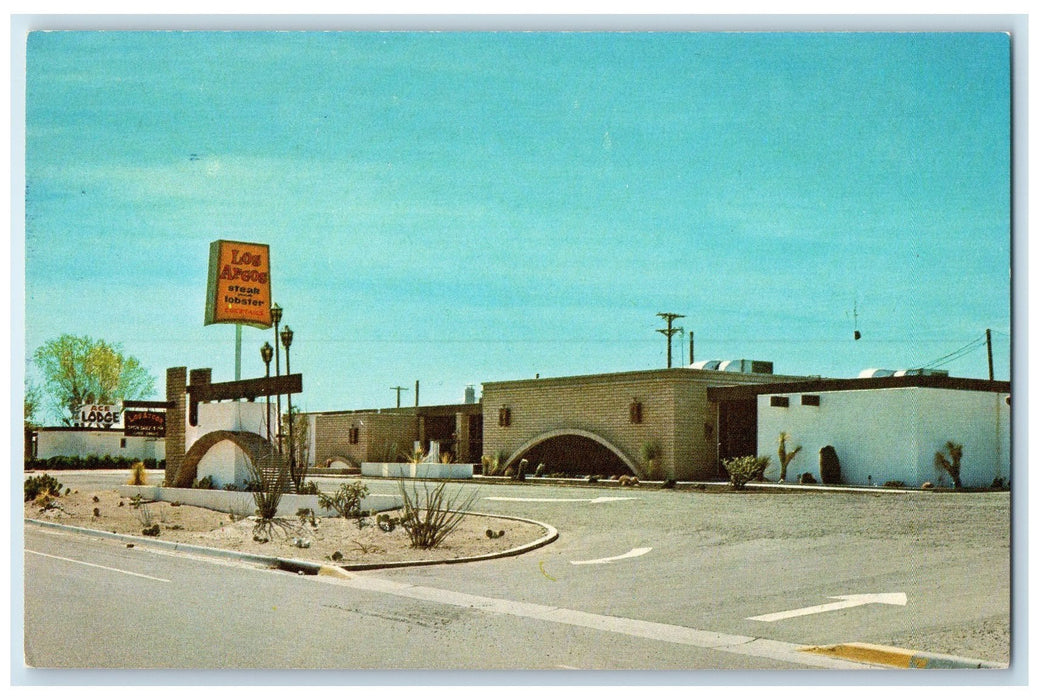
333, 571
873, 654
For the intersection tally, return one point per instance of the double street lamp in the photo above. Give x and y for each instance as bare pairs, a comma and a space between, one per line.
276, 312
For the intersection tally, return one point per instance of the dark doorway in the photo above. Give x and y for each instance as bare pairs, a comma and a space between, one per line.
737, 430
573, 455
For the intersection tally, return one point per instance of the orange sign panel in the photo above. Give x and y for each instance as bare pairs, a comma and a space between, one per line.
239, 289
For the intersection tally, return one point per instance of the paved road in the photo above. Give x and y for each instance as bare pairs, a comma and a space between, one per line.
638, 583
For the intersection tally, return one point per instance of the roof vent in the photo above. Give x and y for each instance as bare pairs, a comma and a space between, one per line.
741, 366
920, 372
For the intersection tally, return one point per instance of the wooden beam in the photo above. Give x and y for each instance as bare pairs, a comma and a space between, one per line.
247, 388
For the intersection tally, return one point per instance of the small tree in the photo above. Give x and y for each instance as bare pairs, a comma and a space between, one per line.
744, 469
951, 465
79, 370
785, 457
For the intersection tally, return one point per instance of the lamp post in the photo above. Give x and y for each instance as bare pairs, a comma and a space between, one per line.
276, 318
286, 340
267, 353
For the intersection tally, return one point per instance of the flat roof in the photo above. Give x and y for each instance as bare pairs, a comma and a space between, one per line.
750, 391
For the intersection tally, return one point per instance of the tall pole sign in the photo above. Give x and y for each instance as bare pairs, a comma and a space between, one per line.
239, 288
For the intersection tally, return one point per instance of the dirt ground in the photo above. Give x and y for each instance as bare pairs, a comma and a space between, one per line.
110, 512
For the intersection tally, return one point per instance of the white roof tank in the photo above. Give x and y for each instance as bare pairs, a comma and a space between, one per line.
742, 366
870, 373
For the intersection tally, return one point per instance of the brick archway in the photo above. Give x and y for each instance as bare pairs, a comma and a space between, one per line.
543, 437
253, 445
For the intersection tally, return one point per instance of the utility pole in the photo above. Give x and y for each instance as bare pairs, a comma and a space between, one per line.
398, 389
669, 331
988, 339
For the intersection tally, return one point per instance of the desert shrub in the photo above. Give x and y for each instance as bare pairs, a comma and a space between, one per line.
952, 465
42, 484
387, 523
1000, 484
61, 463
744, 469
431, 516
306, 515
137, 475
346, 500
309, 488
895, 484
829, 466
205, 482
806, 478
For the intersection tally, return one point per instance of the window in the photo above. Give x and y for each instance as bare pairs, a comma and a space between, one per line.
504, 416
809, 399
779, 401
635, 412
122, 443
355, 435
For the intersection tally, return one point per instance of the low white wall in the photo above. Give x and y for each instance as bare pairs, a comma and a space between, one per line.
396, 470
86, 443
242, 502
883, 435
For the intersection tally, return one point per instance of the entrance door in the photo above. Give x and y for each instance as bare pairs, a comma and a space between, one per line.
737, 430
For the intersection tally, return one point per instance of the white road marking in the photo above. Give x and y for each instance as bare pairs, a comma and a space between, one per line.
600, 499
846, 601
732, 643
637, 552
97, 566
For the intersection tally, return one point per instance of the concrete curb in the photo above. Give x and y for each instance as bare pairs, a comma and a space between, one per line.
899, 658
310, 567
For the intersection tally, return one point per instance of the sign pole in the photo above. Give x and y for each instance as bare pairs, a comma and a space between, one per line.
237, 351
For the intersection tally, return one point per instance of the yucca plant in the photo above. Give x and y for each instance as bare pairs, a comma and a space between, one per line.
951, 465
785, 457
272, 478
431, 516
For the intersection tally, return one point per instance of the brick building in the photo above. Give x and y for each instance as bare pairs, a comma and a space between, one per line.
601, 423
388, 435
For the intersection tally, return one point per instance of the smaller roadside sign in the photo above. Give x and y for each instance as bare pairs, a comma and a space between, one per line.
144, 424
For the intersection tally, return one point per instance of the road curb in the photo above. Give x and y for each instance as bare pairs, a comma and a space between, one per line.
310, 567
896, 657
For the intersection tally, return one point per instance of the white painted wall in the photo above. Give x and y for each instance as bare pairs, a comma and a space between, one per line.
225, 462
892, 434
84, 443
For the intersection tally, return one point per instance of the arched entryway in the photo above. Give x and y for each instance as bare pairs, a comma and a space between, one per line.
254, 446
573, 452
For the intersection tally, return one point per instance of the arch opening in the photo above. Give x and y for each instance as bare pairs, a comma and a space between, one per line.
571, 454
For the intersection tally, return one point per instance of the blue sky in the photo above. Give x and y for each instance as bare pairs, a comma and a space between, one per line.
463, 207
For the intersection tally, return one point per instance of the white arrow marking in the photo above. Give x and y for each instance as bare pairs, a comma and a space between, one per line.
637, 552
601, 499
846, 601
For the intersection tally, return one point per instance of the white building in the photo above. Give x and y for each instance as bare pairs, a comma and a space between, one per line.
85, 442
885, 429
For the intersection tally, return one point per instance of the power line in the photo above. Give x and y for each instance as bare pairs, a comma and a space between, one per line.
957, 354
